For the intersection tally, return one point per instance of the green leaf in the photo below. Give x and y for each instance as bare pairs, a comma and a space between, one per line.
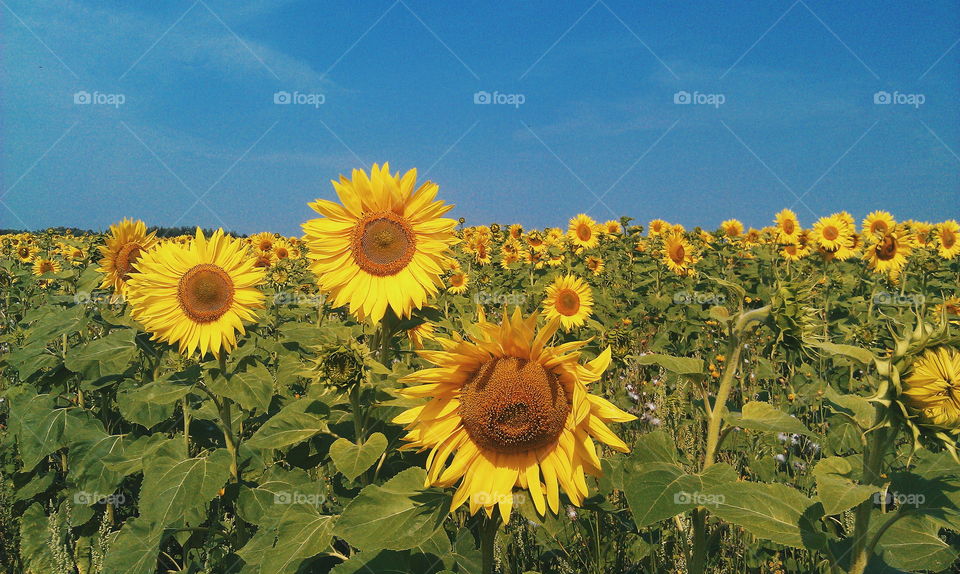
301, 534
679, 365
774, 512
758, 415
296, 422
396, 516
41, 428
279, 490
130, 459
135, 408
858, 354
175, 490
86, 455
854, 406
251, 389
658, 491
913, 544
837, 488
170, 388
352, 459
34, 539
109, 355
134, 548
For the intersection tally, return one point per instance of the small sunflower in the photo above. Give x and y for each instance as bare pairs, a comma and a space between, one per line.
43, 265
932, 390
948, 239
511, 412
516, 231
794, 251
263, 241
198, 295
677, 254
26, 252
281, 250
570, 300
583, 231
656, 227
128, 240
831, 233
788, 227
731, 228
384, 246
595, 265
889, 251
459, 282
878, 222
613, 227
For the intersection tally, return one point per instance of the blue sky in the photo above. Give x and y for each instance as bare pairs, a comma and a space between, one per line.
183, 127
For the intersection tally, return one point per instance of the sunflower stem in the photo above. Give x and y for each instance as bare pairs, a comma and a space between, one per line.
488, 539
226, 419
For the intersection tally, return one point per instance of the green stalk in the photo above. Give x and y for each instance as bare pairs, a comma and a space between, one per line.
488, 538
874, 449
226, 420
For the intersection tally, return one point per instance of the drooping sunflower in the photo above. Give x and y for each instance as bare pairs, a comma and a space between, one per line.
888, 252
570, 300
595, 264
948, 239
677, 254
196, 296
385, 246
516, 231
43, 265
932, 390
459, 282
788, 227
128, 240
583, 231
878, 222
731, 228
831, 233
512, 412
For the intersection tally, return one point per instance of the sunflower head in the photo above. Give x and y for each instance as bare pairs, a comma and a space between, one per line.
511, 412
196, 296
583, 231
878, 222
931, 391
677, 254
731, 228
948, 239
788, 227
339, 366
383, 246
570, 300
127, 241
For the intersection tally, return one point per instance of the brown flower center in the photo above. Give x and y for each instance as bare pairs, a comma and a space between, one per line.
568, 302
948, 238
878, 226
887, 249
678, 253
456, 280
205, 292
788, 226
383, 243
126, 257
46, 266
513, 405
584, 232
830, 232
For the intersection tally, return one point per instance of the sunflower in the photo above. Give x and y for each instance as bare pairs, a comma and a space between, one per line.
612, 227
583, 231
932, 390
570, 299
948, 239
788, 227
281, 250
656, 227
677, 254
196, 295
888, 252
512, 412
794, 251
878, 222
43, 265
516, 231
128, 240
263, 259
831, 233
509, 258
731, 228
535, 240
263, 241
595, 265
26, 252
385, 246
459, 282
420, 333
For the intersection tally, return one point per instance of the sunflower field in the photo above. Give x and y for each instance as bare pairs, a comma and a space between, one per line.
397, 392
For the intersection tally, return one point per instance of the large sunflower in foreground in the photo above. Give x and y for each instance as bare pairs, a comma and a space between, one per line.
127, 241
932, 390
384, 246
570, 300
512, 412
198, 295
